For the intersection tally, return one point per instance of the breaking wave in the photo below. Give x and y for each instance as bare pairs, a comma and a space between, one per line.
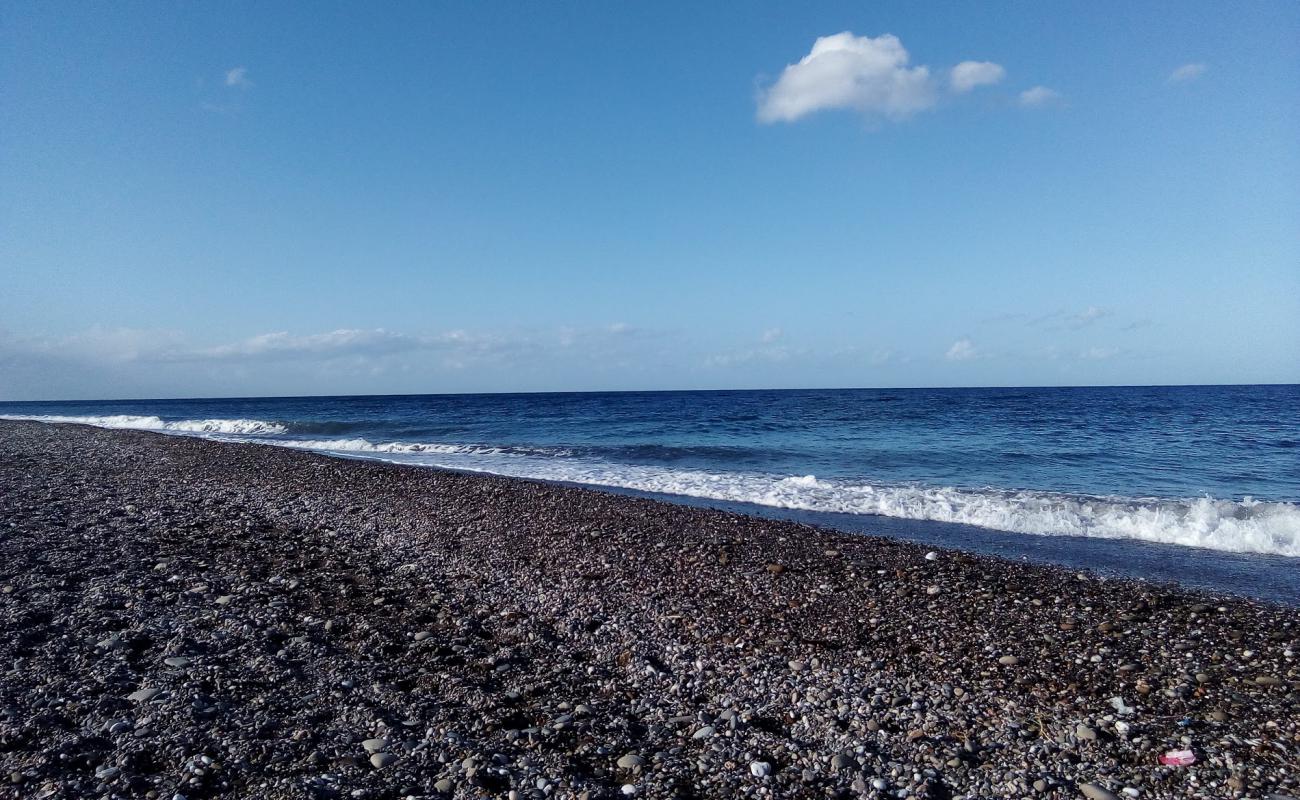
415, 448
246, 427
1245, 526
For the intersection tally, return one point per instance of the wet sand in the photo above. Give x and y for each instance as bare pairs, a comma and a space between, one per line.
184, 617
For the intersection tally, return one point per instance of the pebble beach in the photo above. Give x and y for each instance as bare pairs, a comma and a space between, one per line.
182, 619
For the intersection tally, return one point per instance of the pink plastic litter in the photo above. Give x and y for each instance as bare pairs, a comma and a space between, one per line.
1178, 758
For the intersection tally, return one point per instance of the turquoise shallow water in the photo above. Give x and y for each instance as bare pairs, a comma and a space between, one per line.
1205, 475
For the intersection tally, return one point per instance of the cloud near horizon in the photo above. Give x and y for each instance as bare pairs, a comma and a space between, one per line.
126, 345
962, 350
341, 342
125, 362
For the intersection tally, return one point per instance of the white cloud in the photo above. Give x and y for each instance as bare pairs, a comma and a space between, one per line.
1038, 96
769, 349
238, 77
120, 362
850, 72
962, 350
344, 341
1187, 72
151, 347
969, 74
125, 346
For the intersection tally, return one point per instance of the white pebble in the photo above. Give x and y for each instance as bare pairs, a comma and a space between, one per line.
760, 769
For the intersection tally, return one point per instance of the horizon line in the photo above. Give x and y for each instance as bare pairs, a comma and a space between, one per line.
658, 391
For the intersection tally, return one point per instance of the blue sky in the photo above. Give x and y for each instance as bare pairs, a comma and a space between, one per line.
233, 199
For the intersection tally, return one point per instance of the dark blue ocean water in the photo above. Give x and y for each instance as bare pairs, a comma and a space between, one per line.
1196, 484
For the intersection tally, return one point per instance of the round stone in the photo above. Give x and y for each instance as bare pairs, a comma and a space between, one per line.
1094, 792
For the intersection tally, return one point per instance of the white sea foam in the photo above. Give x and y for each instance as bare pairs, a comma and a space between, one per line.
151, 423
244, 426
400, 448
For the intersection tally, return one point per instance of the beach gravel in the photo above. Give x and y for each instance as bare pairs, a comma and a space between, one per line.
182, 618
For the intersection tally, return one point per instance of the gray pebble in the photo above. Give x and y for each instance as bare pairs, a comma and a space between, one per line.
144, 695
1094, 792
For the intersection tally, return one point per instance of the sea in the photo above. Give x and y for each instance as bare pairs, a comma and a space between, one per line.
1196, 485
